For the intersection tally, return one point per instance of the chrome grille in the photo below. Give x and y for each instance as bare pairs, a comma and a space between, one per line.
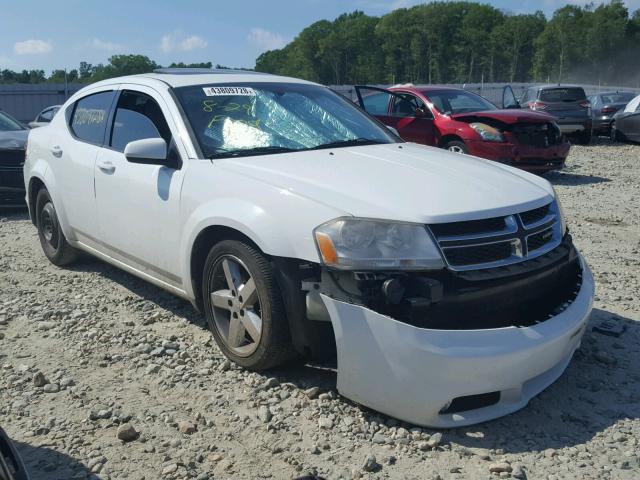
499, 241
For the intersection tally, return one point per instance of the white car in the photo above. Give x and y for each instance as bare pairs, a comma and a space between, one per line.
44, 117
447, 285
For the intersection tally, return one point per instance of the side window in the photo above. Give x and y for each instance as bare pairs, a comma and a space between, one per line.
46, 115
376, 103
90, 115
138, 116
405, 105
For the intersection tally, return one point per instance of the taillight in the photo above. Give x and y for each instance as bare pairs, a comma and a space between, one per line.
537, 105
608, 109
585, 104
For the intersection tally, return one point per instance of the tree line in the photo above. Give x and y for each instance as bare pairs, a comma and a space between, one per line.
464, 42
117, 66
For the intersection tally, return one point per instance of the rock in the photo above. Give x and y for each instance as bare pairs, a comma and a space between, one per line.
152, 368
169, 469
224, 366
605, 357
325, 422
370, 464
500, 467
126, 433
51, 388
270, 383
519, 473
379, 439
44, 326
434, 440
169, 345
312, 392
187, 427
39, 380
264, 414
67, 382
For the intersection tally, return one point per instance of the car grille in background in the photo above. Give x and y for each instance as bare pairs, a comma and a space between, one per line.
537, 134
11, 158
499, 241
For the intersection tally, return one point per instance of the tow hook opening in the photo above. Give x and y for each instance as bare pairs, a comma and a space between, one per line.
470, 402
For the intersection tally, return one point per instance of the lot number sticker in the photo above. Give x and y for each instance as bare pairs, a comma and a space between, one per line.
226, 91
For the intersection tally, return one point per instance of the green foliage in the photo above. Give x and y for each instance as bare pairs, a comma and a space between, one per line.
456, 42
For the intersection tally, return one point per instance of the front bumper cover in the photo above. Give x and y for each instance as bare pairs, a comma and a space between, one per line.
413, 374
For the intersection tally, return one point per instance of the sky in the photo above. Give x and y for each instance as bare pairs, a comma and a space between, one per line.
45, 34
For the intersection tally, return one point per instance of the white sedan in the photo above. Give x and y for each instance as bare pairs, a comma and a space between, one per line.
447, 287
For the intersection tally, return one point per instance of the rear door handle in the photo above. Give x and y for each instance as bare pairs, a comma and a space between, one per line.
56, 151
106, 166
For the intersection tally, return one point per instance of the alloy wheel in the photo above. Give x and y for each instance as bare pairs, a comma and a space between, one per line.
455, 149
236, 306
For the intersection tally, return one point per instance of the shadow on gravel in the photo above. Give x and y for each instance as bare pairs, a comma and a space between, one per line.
43, 463
566, 178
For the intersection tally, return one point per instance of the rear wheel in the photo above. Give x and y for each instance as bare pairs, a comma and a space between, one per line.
244, 306
614, 134
456, 146
54, 243
584, 137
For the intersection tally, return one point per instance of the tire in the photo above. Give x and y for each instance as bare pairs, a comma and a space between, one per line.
614, 134
54, 244
251, 331
584, 137
456, 146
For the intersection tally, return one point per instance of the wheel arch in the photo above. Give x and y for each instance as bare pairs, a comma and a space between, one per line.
450, 137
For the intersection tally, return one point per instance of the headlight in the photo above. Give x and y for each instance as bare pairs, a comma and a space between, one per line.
487, 132
354, 243
560, 212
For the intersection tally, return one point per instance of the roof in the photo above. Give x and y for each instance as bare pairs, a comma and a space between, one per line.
180, 77
555, 85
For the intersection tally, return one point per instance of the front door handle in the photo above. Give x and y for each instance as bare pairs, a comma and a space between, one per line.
106, 166
56, 151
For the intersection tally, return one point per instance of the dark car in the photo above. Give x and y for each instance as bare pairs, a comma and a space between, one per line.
463, 122
603, 106
626, 122
11, 465
568, 103
13, 142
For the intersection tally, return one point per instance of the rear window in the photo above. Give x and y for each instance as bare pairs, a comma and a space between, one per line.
617, 98
89, 118
572, 94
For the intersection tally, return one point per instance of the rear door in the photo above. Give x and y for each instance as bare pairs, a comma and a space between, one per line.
403, 111
509, 99
632, 124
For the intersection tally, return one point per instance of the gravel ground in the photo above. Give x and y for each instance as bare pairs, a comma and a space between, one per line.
105, 376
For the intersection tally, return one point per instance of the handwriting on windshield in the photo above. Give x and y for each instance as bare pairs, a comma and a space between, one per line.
230, 110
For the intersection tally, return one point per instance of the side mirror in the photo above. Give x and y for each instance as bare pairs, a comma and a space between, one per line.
423, 113
513, 105
148, 151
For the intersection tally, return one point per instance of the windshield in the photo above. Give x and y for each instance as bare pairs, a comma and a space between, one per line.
458, 101
8, 124
572, 94
260, 118
617, 97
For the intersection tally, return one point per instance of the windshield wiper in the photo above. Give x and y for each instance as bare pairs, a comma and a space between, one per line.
348, 143
250, 151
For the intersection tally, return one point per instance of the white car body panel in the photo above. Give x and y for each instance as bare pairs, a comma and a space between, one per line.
412, 373
145, 219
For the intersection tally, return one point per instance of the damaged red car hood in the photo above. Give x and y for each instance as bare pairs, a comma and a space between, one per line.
509, 117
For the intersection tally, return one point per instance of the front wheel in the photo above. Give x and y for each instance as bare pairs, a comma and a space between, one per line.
54, 243
456, 146
244, 306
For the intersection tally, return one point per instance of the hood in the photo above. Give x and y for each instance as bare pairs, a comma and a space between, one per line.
510, 116
13, 139
404, 181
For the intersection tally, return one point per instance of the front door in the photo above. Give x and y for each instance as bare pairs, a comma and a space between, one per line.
403, 111
138, 205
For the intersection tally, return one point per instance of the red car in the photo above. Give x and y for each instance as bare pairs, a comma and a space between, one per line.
464, 122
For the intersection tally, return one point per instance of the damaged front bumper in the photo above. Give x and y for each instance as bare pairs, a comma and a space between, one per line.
449, 378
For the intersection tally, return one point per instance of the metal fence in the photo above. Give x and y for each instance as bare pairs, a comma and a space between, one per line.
490, 91
25, 101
